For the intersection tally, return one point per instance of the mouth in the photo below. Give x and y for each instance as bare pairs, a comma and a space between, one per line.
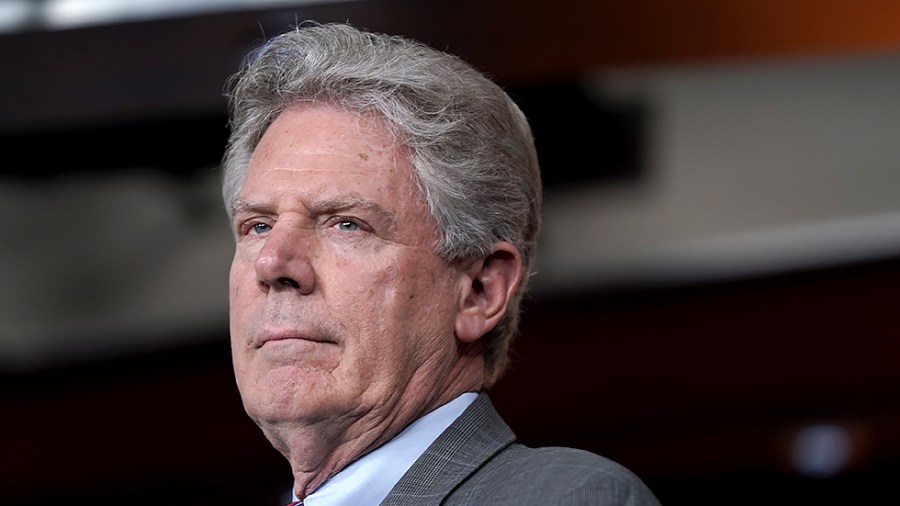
290, 335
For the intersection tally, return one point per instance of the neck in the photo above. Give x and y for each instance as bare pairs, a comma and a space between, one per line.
319, 450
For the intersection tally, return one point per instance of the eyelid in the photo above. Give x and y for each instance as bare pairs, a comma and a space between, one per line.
336, 219
244, 226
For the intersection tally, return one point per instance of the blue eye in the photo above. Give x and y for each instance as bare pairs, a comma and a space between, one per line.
347, 225
259, 228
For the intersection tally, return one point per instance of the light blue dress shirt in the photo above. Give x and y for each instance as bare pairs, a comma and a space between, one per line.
369, 479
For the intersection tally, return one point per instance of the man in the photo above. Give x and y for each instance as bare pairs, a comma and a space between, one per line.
385, 200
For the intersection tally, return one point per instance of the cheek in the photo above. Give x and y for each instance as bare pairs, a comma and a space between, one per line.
241, 290
398, 286
420, 294
371, 299
236, 274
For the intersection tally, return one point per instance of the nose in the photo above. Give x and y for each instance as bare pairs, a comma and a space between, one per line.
284, 261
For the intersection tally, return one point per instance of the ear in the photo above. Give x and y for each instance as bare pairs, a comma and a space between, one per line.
488, 286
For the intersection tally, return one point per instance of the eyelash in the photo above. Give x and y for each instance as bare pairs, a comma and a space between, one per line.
338, 221
247, 227
255, 227
251, 226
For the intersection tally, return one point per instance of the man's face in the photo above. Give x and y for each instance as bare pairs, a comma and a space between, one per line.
340, 309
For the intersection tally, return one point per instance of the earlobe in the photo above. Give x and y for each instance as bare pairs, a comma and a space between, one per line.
490, 283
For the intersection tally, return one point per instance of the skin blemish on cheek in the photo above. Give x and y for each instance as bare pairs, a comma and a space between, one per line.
364, 157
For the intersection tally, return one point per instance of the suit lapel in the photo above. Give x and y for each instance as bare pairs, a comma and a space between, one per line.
472, 439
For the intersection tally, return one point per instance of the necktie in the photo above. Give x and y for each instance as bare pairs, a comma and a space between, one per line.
295, 503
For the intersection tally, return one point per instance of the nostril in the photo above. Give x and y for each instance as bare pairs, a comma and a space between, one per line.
288, 282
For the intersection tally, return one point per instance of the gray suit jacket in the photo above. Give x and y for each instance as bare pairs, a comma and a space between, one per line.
477, 462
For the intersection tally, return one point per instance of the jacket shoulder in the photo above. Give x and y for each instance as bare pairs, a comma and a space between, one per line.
553, 475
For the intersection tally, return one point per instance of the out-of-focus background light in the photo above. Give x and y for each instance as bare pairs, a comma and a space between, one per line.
16, 14
820, 451
67, 14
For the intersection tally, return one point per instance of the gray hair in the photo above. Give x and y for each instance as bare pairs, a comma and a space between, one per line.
471, 146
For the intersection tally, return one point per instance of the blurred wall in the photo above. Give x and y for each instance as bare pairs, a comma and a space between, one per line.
714, 298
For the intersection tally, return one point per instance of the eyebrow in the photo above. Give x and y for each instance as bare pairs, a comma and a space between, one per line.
241, 206
385, 217
350, 202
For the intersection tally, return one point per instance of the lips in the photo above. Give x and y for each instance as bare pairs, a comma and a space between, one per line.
289, 334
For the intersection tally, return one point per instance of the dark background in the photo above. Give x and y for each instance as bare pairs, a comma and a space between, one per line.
700, 388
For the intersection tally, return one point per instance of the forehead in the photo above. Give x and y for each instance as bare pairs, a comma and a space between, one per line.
320, 152
324, 130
